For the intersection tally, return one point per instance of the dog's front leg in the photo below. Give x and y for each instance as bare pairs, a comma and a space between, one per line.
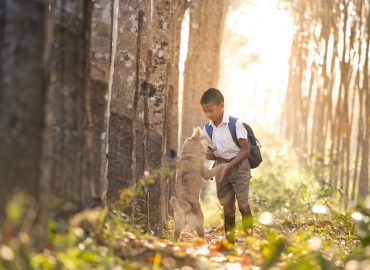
219, 172
207, 174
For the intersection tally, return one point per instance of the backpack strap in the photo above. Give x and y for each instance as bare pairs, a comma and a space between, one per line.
232, 128
209, 129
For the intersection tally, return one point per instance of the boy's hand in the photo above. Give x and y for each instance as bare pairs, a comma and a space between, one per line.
221, 174
210, 156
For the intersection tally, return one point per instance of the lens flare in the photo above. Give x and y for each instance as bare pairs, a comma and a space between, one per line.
357, 216
319, 209
315, 243
266, 218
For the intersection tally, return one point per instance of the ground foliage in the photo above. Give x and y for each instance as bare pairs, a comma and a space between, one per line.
299, 225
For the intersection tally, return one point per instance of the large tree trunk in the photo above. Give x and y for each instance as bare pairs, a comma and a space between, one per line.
51, 135
75, 134
202, 62
138, 131
22, 94
98, 95
363, 186
67, 121
122, 100
173, 94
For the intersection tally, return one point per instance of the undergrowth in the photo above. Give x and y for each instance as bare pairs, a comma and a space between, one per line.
300, 223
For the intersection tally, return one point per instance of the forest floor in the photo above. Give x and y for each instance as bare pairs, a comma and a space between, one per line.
264, 250
299, 223
193, 253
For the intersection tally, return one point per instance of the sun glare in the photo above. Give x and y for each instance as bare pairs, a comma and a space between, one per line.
254, 77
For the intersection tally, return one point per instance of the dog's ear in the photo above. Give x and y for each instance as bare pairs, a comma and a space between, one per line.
197, 132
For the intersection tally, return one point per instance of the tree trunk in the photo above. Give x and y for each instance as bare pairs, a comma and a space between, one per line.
68, 106
97, 96
364, 169
172, 124
139, 134
122, 102
202, 62
22, 94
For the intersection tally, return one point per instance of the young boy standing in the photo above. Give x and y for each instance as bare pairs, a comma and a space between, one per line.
234, 185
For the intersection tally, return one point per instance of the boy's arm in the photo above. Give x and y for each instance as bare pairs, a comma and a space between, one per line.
242, 135
244, 149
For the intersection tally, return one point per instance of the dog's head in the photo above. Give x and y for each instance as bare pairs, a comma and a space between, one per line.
197, 143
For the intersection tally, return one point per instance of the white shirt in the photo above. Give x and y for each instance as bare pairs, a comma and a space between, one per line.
222, 140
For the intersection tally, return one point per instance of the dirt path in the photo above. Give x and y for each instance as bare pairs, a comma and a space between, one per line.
190, 253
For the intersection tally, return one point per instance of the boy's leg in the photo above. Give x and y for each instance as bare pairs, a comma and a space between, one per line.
240, 182
226, 196
247, 218
229, 221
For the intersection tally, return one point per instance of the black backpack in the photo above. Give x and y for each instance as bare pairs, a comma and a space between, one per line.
254, 156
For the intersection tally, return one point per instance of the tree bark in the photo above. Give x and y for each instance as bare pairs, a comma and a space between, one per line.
139, 134
364, 169
122, 102
22, 94
97, 97
66, 183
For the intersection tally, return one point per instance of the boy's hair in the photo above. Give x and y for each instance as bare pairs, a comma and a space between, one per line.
212, 95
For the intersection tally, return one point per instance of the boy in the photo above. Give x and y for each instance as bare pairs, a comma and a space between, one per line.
236, 176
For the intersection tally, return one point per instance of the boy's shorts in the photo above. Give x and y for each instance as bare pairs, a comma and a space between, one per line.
235, 184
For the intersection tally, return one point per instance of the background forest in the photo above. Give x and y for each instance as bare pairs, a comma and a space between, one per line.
96, 98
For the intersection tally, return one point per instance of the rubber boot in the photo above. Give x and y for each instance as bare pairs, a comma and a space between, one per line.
247, 222
229, 224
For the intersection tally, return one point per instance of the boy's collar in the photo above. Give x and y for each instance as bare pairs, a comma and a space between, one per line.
225, 119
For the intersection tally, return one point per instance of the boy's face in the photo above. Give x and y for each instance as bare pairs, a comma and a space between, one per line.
214, 111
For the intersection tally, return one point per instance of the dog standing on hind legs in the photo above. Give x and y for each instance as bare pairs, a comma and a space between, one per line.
190, 175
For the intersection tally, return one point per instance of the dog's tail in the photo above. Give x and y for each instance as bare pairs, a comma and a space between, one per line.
180, 205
